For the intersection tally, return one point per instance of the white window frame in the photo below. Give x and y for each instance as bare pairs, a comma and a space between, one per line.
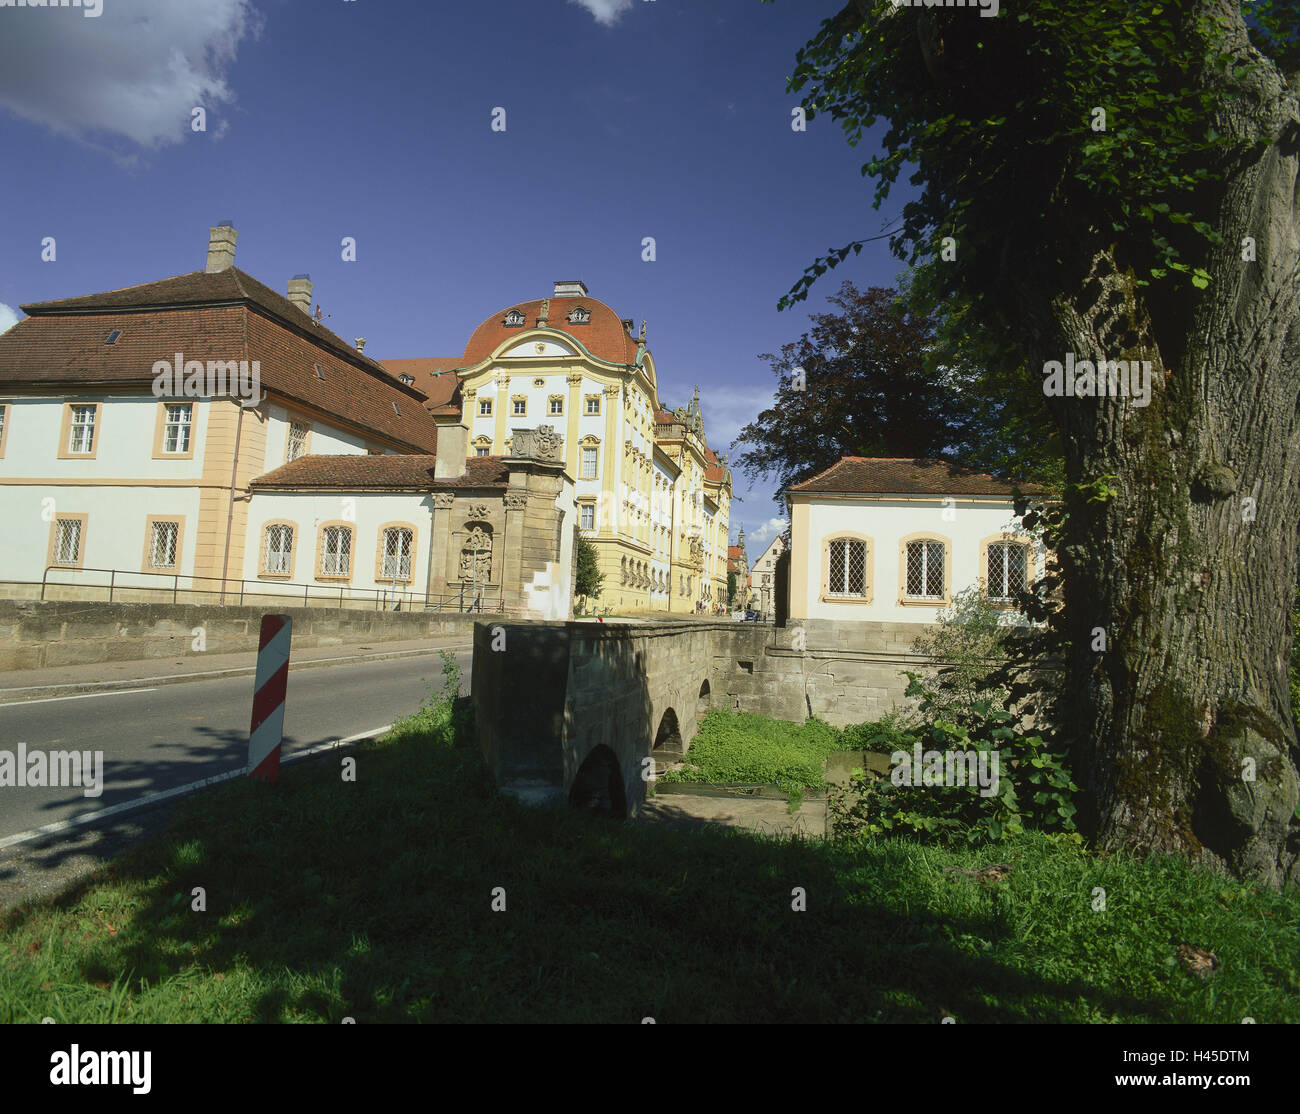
79, 424
174, 427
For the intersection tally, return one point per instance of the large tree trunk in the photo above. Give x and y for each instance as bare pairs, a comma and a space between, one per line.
1190, 569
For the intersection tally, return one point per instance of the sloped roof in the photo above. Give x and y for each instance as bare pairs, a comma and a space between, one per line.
225, 316
435, 376
604, 336
202, 288
907, 476
390, 472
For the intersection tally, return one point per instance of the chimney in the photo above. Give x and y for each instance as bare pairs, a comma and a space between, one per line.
300, 292
572, 289
221, 247
361, 344
453, 446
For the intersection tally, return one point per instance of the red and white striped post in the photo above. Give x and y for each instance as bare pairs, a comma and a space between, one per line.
266, 730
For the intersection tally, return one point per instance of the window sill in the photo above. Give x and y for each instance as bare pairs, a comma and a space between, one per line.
909, 602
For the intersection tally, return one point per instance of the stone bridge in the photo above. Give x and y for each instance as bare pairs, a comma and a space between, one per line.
572, 710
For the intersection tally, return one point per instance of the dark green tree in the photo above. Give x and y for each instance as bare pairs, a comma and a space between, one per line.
589, 580
864, 382
1121, 182
731, 588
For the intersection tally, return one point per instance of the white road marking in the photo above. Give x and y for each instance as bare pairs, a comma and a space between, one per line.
83, 696
178, 791
245, 671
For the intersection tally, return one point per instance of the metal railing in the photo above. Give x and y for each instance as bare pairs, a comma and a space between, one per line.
468, 597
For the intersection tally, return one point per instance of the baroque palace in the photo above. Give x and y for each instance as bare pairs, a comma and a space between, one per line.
313, 469
652, 496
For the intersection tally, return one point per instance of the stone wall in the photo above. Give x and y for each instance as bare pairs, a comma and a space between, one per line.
845, 673
37, 635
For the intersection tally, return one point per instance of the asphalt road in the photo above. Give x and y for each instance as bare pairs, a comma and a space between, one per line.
169, 736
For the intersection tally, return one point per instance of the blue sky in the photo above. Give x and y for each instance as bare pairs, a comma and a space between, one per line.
372, 119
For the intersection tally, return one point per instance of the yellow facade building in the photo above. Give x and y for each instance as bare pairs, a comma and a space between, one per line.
653, 498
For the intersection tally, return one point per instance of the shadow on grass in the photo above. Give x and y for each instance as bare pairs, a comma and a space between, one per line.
374, 898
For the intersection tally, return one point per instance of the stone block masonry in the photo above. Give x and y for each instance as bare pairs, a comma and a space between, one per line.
573, 710
37, 635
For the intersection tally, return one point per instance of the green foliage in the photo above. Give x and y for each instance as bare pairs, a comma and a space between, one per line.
590, 579
859, 384
732, 581
1033, 786
1015, 97
1273, 30
892, 731
740, 748
972, 639
442, 708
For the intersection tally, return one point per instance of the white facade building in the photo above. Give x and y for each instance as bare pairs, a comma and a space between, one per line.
895, 540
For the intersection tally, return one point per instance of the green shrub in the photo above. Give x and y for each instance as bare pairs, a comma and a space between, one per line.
1034, 787
972, 639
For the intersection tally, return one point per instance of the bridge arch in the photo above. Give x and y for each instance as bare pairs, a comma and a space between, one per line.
598, 784
704, 701
668, 737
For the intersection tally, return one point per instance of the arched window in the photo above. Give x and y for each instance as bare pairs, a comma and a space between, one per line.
925, 569
277, 549
846, 568
396, 556
514, 319
334, 549
1007, 564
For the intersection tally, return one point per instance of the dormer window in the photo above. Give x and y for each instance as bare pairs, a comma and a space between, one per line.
397, 411
112, 337
514, 319
407, 379
579, 315
320, 374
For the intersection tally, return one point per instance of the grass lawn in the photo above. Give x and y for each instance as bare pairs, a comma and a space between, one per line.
373, 899
738, 747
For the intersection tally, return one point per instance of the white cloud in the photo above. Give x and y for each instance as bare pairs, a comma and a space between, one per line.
727, 410
607, 12
764, 534
8, 318
135, 72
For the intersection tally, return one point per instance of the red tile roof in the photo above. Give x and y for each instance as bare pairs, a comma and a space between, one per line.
390, 472
907, 476
604, 336
201, 288
436, 377
226, 316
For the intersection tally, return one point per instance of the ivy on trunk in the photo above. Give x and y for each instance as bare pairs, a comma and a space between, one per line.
1107, 183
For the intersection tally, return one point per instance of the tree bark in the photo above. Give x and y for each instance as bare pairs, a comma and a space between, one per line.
1189, 570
